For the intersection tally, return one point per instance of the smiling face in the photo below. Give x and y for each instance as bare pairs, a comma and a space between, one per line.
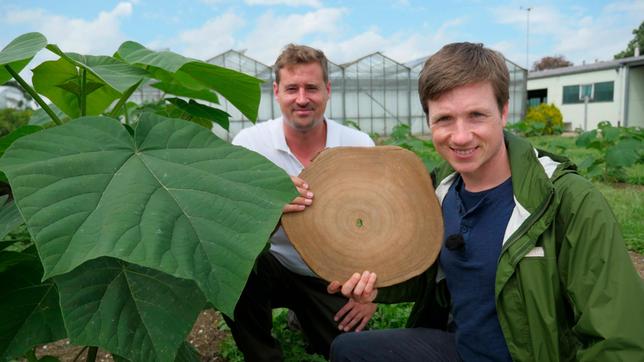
467, 131
302, 95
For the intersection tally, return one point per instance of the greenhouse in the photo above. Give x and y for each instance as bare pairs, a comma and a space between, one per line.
375, 92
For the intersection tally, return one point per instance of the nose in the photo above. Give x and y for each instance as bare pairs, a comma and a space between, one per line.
461, 133
301, 97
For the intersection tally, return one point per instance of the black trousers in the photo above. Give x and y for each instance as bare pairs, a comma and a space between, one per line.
271, 285
396, 345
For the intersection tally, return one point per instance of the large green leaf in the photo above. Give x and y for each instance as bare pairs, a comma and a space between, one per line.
240, 89
117, 74
30, 309
59, 80
186, 353
19, 53
40, 118
202, 111
9, 216
174, 198
137, 313
7, 140
181, 91
624, 153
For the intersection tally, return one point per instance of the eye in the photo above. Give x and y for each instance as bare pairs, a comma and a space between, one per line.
441, 119
477, 115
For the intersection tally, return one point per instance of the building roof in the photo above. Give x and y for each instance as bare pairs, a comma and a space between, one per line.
584, 68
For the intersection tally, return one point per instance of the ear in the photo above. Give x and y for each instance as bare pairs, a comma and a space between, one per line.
504, 114
275, 88
328, 87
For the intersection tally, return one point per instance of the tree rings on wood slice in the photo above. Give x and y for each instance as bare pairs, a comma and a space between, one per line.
374, 209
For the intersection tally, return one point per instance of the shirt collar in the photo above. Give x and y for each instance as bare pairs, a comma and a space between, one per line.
279, 139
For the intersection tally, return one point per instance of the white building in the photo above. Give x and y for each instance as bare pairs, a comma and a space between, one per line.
588, 94
11, 97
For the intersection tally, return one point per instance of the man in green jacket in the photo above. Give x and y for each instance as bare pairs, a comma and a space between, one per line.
533, 267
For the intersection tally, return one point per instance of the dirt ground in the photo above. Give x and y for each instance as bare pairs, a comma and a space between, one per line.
205, 336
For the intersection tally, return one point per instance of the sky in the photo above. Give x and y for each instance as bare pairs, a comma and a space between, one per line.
404, 30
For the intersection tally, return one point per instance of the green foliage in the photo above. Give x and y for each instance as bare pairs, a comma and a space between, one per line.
30, 308
637, 41
618, 148
161, 190
12, 119
148, 302
544, 119
627, 201
18, 53
293, 342
401, 136
391, 316
139, 220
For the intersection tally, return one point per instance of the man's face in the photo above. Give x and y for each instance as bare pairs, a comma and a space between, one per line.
467, 129
302, 95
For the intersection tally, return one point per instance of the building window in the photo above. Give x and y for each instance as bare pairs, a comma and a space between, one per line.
571, 94
604, 92
596, 92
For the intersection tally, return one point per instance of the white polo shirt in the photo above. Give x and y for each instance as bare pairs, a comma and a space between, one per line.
267, 138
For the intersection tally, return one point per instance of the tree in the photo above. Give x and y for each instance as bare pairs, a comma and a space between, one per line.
637, 41
25, 94
548, 62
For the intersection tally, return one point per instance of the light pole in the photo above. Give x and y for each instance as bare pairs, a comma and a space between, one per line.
527, 37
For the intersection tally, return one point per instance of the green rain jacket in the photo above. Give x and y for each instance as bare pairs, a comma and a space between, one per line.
565, 287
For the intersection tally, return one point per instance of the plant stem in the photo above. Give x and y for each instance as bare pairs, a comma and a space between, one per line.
35, 95
83, 96
91, 354
79, 353
123, 100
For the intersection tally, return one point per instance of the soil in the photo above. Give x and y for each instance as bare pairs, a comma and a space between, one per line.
205, 336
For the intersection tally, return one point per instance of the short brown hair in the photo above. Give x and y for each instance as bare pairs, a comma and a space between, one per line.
458, 64
300, 54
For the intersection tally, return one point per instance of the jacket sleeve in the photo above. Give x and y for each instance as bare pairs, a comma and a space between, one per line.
604, 290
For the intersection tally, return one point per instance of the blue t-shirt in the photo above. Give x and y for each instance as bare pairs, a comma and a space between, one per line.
470, 266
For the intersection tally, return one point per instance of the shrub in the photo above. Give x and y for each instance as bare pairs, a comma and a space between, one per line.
544, 119
11, 119
620, 147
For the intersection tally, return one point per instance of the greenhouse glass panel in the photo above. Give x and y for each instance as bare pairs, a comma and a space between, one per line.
374, 91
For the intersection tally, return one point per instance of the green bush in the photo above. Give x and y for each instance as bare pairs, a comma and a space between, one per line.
544, 119
401, 136
619, 148
11, 119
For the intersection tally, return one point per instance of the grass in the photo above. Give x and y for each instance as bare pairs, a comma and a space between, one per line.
293, 342
627, 201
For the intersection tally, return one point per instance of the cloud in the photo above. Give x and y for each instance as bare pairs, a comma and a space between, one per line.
100, 35
402, 46
273, 32
213, 37
577, 35
311, 3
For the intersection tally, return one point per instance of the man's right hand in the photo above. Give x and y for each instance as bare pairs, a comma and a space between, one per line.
301, 202
360, 287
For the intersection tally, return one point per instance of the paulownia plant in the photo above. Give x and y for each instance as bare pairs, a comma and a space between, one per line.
137, 220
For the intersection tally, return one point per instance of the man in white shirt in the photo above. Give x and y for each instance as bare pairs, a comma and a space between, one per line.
281, 278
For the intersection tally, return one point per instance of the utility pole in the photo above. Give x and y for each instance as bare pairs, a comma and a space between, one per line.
527, 37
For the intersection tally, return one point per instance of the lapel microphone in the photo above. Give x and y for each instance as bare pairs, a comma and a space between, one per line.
455, 242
